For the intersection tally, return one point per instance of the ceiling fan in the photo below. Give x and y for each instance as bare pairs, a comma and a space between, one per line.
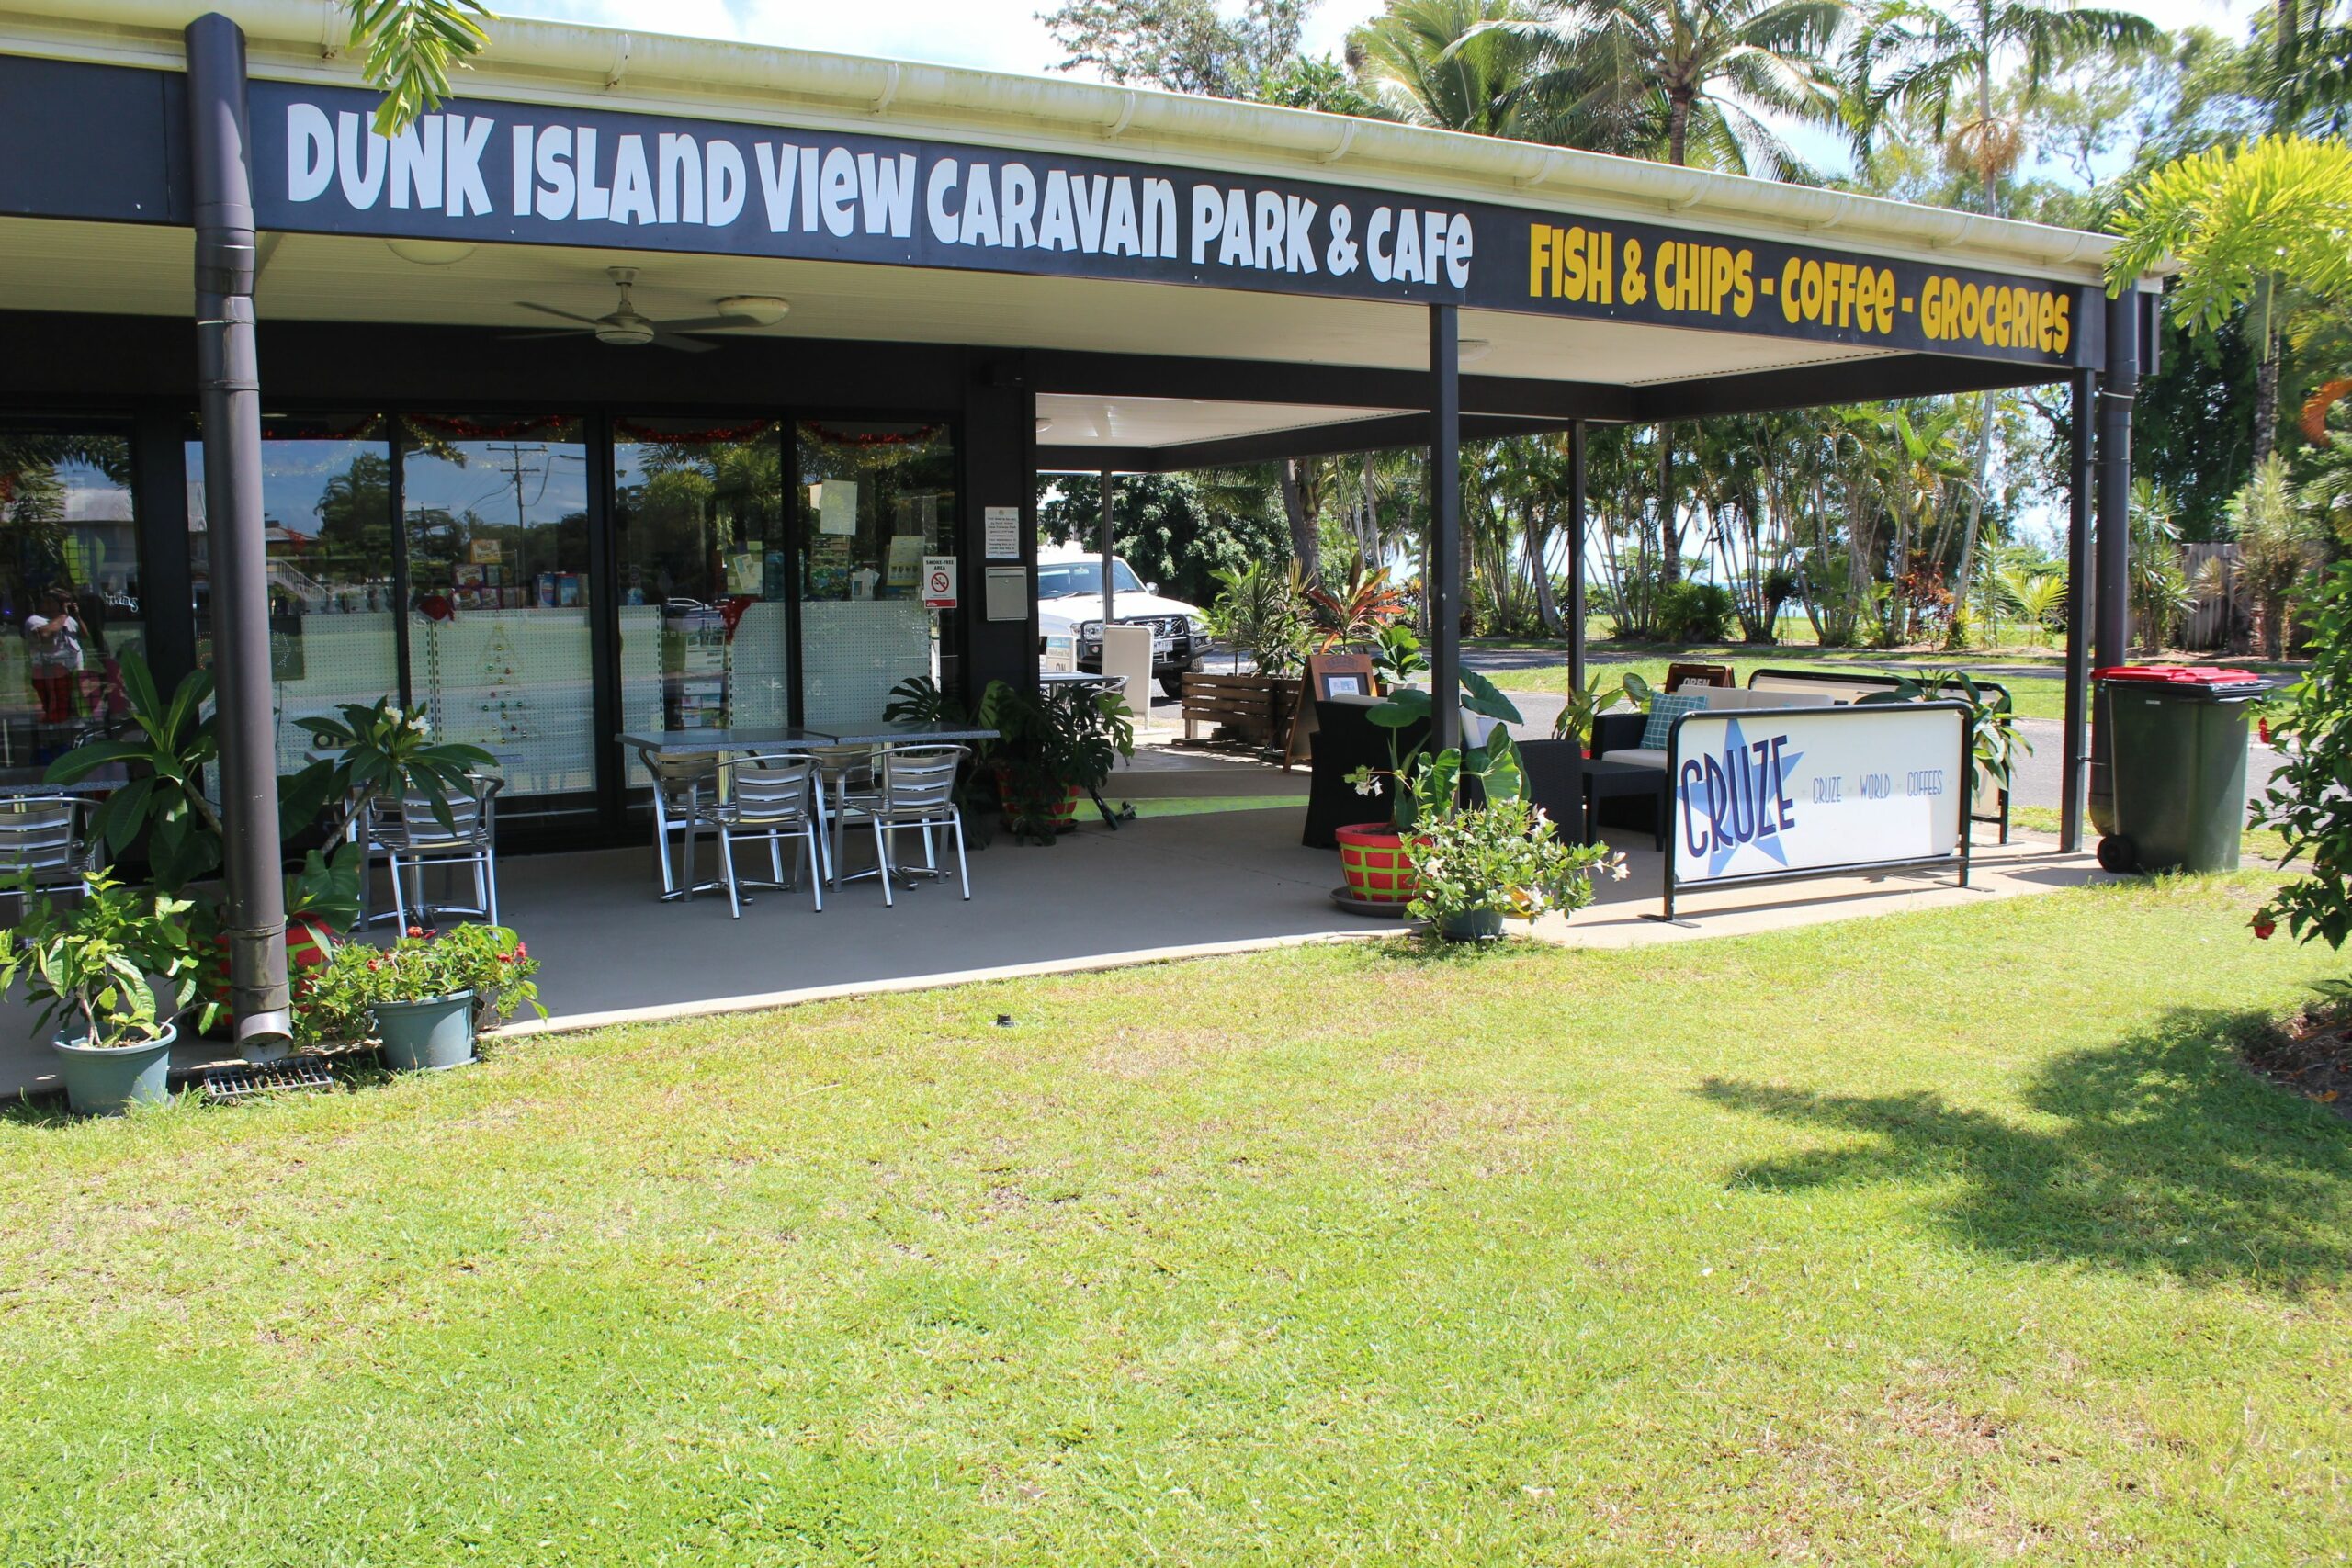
626, 328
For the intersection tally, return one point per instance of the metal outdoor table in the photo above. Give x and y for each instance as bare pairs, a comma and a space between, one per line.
712, 742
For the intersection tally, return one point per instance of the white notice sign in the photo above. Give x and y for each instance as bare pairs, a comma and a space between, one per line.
939, 583
836, 506
1760, 794
1001, 532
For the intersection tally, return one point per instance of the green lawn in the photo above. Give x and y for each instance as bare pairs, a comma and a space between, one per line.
1936, 1238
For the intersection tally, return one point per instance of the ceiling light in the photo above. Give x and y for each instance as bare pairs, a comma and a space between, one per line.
1474, 349
431, 253
1044, 425
764, 309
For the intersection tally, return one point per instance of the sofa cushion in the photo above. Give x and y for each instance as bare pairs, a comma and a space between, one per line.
1664, 711
1640, 756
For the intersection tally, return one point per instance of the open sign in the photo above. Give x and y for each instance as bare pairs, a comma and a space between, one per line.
939, 583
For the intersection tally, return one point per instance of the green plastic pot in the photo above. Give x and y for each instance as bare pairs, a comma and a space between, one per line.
427, 1036
1478, 925
102, 1080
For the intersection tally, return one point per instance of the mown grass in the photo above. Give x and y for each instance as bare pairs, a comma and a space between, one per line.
2257, 846
1943, 1237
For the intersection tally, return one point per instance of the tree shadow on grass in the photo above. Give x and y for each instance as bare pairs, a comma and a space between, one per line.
2167, 1155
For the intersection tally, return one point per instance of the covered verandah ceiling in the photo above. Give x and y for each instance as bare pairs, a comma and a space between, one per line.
1129, 376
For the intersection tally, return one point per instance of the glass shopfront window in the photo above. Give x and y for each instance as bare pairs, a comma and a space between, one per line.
495, 514
70, 605
699, 545
326, 482
873, 500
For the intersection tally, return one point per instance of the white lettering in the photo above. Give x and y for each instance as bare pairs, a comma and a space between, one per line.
1090, 195
416, 163
776, 175
724, 184
1208, 217
1299, 224
886, 187
980, 209
1457, 250
461, 180
934, 201
1121, 236
632, 182
841, 191
1160, 218
1233, 246
519, 167
359, 161
1268, 254
595, 201
1376, 263
556, 191
310, 151
808, 190
1057, 225
678, 161
1019, 187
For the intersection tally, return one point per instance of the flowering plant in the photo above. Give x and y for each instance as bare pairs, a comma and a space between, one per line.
114, 971
1506, 857
489, 961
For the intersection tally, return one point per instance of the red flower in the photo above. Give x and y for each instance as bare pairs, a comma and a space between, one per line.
2263, 927
416, 931
522, 949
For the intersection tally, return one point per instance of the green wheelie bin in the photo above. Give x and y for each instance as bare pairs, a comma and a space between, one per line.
2176, 752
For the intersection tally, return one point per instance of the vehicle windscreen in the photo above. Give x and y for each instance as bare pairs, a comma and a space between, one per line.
1064, 579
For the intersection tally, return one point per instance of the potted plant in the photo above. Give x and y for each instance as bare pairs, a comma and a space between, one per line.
107, 980
1372, 854
1588, 701
1052, 748
167, 746
1475, 866
424, 999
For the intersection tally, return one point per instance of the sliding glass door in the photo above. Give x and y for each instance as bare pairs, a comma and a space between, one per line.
874, 499
501, 650
704, 601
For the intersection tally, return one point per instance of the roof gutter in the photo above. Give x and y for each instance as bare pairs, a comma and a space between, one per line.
564, 61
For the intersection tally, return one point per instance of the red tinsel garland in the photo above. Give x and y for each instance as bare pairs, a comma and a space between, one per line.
718, 436
872, 437
457, 429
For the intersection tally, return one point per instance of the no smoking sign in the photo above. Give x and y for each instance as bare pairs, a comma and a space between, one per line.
939, 583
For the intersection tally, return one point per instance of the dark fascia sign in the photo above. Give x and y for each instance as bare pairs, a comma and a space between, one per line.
539, 174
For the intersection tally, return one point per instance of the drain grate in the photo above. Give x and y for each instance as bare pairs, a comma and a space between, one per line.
224, 1086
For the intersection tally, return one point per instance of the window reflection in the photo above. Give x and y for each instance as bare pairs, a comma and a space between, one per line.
326, 482
698, 519
70, 605
874, 499
496, 516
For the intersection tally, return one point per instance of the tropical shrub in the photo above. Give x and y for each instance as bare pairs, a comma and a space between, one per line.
2306, 799
489, 961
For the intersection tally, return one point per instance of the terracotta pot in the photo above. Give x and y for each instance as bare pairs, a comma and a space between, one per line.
1372, 859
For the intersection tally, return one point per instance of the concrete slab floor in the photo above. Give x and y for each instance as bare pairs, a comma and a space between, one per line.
1155, 890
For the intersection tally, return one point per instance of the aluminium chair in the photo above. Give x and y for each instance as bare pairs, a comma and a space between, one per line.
408, 832
764, 797
673, 779
915, 788
43, 847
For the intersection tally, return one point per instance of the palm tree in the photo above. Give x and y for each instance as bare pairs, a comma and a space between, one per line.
1694, 76
1937, 61
412, 47
1417, 60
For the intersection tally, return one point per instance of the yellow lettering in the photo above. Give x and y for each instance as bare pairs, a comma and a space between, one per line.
1539, 259
1789, 307
1637, 283
1743, 281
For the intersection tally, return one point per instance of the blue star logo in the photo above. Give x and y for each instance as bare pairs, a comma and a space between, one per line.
1751, 781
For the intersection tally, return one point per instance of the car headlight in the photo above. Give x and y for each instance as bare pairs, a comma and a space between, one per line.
1090, 631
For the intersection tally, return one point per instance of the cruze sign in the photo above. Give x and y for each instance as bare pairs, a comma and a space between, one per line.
536, 175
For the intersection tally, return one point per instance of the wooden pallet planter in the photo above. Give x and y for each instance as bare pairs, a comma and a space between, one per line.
1257, 711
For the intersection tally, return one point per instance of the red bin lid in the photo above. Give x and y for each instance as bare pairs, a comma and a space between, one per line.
2177, 674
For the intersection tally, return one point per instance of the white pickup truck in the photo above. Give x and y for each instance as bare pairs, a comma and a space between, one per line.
1069, 616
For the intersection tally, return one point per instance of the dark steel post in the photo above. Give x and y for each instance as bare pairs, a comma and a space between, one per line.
2079, 593
1442, 572
228, 395
2111, 597
1110, 554
1574, 606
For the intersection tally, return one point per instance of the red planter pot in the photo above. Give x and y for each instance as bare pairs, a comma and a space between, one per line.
1062, 812
1372, 859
